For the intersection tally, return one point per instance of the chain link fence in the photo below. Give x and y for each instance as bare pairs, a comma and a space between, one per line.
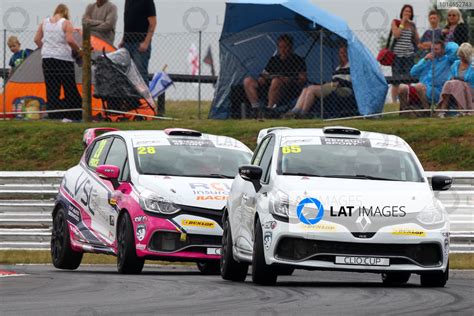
312, 80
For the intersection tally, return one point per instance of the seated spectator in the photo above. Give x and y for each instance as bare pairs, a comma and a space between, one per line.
460, 87
340, 83
284, 76
19, 55
456, 30
416, 96
432, 35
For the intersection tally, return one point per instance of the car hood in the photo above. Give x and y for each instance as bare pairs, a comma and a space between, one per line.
208, 193
337, 192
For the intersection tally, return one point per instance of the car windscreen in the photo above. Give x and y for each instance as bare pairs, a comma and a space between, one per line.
190, 161
348, 161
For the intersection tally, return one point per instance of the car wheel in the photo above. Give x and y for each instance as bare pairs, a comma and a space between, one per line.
127, 260
393, 278
262, 273
62, 255
438, 279
209, 268
230, 269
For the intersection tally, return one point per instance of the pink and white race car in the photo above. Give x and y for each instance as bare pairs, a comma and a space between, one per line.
146, 195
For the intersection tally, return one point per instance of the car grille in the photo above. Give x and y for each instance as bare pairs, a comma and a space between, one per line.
171, 242
297, 249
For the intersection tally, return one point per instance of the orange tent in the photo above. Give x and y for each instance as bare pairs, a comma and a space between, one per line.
28, 81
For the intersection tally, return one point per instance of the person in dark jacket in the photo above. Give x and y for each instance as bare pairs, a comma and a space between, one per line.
456, 30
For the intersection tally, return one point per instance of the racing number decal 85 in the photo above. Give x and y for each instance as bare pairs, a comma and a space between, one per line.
293, 149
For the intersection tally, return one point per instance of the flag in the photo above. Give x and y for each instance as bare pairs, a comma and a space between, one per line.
193, 60
160, 82
209, 60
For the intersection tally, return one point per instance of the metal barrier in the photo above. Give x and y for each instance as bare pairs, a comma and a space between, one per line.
27, 199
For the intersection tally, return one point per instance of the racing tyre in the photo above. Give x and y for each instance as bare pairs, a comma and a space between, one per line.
262, 273
438, 279
394, 278
209, 268
230, 269
62, 255
127, 260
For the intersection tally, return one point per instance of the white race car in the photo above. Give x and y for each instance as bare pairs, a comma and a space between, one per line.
335, 199
146, 195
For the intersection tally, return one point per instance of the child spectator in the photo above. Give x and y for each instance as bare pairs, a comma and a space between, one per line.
432, 35
19, 55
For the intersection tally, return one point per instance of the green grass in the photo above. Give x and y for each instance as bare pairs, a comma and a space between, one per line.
9, 257
441, 144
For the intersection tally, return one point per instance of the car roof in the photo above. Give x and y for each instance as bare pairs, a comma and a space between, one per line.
386, 139
162, 134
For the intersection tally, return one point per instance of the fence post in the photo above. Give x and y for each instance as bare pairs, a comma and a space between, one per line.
86, 74
321, 73
199, 76
5, 74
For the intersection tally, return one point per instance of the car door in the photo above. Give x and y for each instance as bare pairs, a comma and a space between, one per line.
244, 213
106, 210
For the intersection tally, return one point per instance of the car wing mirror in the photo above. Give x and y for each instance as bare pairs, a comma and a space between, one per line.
110, 173
252, 174
441, 183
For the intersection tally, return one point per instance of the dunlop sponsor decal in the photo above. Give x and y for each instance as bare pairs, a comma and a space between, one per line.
408, 232
198, 223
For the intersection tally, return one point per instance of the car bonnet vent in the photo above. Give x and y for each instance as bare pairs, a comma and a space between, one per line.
182, 132
341, 130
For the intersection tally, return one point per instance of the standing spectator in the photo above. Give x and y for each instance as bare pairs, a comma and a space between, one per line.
404, 48
140, 24
55, 38
102, 17
456, 30
284, 76
432, 35
19, 55
460, 87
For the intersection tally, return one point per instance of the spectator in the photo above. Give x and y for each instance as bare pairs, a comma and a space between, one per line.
456, 30
102, 17
417, 96
432, 35
140, 24
284, 76
19, 55
460, 87
55, 38
341, 83
404, 48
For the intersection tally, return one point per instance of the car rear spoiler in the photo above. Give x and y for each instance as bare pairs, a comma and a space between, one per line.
265, 131
91, 133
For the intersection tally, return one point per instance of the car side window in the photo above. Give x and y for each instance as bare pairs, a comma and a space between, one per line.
98, 153
259, 152
266, 160
117, 155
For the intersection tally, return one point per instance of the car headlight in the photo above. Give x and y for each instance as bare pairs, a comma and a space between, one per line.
431, 215
279, 204
157, 204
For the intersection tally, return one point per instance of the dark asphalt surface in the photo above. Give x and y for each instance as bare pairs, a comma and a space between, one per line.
182, 290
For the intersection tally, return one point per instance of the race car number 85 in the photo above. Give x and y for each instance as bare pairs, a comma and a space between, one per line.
146, 150
294, 149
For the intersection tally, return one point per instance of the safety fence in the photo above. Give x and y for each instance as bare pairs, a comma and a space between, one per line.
27, 200
313, 81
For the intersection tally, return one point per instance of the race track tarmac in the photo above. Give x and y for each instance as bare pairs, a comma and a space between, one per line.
182, 290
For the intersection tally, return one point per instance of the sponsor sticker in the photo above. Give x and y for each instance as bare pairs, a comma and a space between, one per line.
214, 251
320, 227
364, 142
191, 142
141, 246
140, 219
198, 223
267, 240
408, 232
363, 261
141, 232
